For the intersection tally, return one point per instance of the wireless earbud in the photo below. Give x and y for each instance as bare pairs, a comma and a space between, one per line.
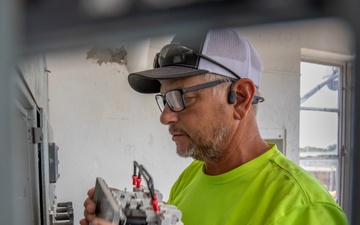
232, 95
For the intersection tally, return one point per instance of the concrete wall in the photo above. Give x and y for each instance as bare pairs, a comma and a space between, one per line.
101, 125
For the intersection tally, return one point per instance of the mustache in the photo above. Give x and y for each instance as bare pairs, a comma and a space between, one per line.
174, 129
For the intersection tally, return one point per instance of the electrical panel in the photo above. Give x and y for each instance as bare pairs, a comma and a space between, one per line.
141, 206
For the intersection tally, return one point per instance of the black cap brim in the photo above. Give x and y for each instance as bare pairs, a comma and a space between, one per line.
147, 81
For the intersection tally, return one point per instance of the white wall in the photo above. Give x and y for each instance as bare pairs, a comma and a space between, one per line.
101, 125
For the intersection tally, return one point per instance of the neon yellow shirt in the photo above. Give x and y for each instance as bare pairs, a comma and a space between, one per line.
270, 189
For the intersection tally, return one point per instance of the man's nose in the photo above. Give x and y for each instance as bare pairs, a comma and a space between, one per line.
168, 116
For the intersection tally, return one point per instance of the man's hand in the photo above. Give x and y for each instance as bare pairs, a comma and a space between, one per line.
97, 221
89, 211
89, 208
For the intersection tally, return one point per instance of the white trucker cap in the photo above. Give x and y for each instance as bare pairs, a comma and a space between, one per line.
221, 51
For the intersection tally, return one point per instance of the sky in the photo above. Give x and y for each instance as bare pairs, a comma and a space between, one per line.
318, 129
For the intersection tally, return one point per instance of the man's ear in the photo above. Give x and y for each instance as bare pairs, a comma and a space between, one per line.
244, 90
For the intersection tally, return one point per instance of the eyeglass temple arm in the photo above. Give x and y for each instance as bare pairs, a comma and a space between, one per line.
201, 86
217, 63
257, 99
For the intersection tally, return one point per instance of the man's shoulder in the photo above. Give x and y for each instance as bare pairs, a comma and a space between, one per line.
305, 183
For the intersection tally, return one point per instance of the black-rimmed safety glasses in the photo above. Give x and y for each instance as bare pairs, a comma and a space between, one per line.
178, 55
175, 99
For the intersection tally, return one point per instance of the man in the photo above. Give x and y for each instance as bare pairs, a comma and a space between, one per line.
208, 98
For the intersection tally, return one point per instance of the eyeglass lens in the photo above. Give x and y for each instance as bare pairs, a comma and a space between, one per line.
173, 54
174, 100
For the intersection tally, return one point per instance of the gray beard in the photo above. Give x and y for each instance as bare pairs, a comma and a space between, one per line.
208, 150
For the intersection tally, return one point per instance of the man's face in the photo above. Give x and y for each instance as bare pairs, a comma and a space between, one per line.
201, 130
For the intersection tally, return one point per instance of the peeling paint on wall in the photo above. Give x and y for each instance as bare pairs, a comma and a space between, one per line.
108, 55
